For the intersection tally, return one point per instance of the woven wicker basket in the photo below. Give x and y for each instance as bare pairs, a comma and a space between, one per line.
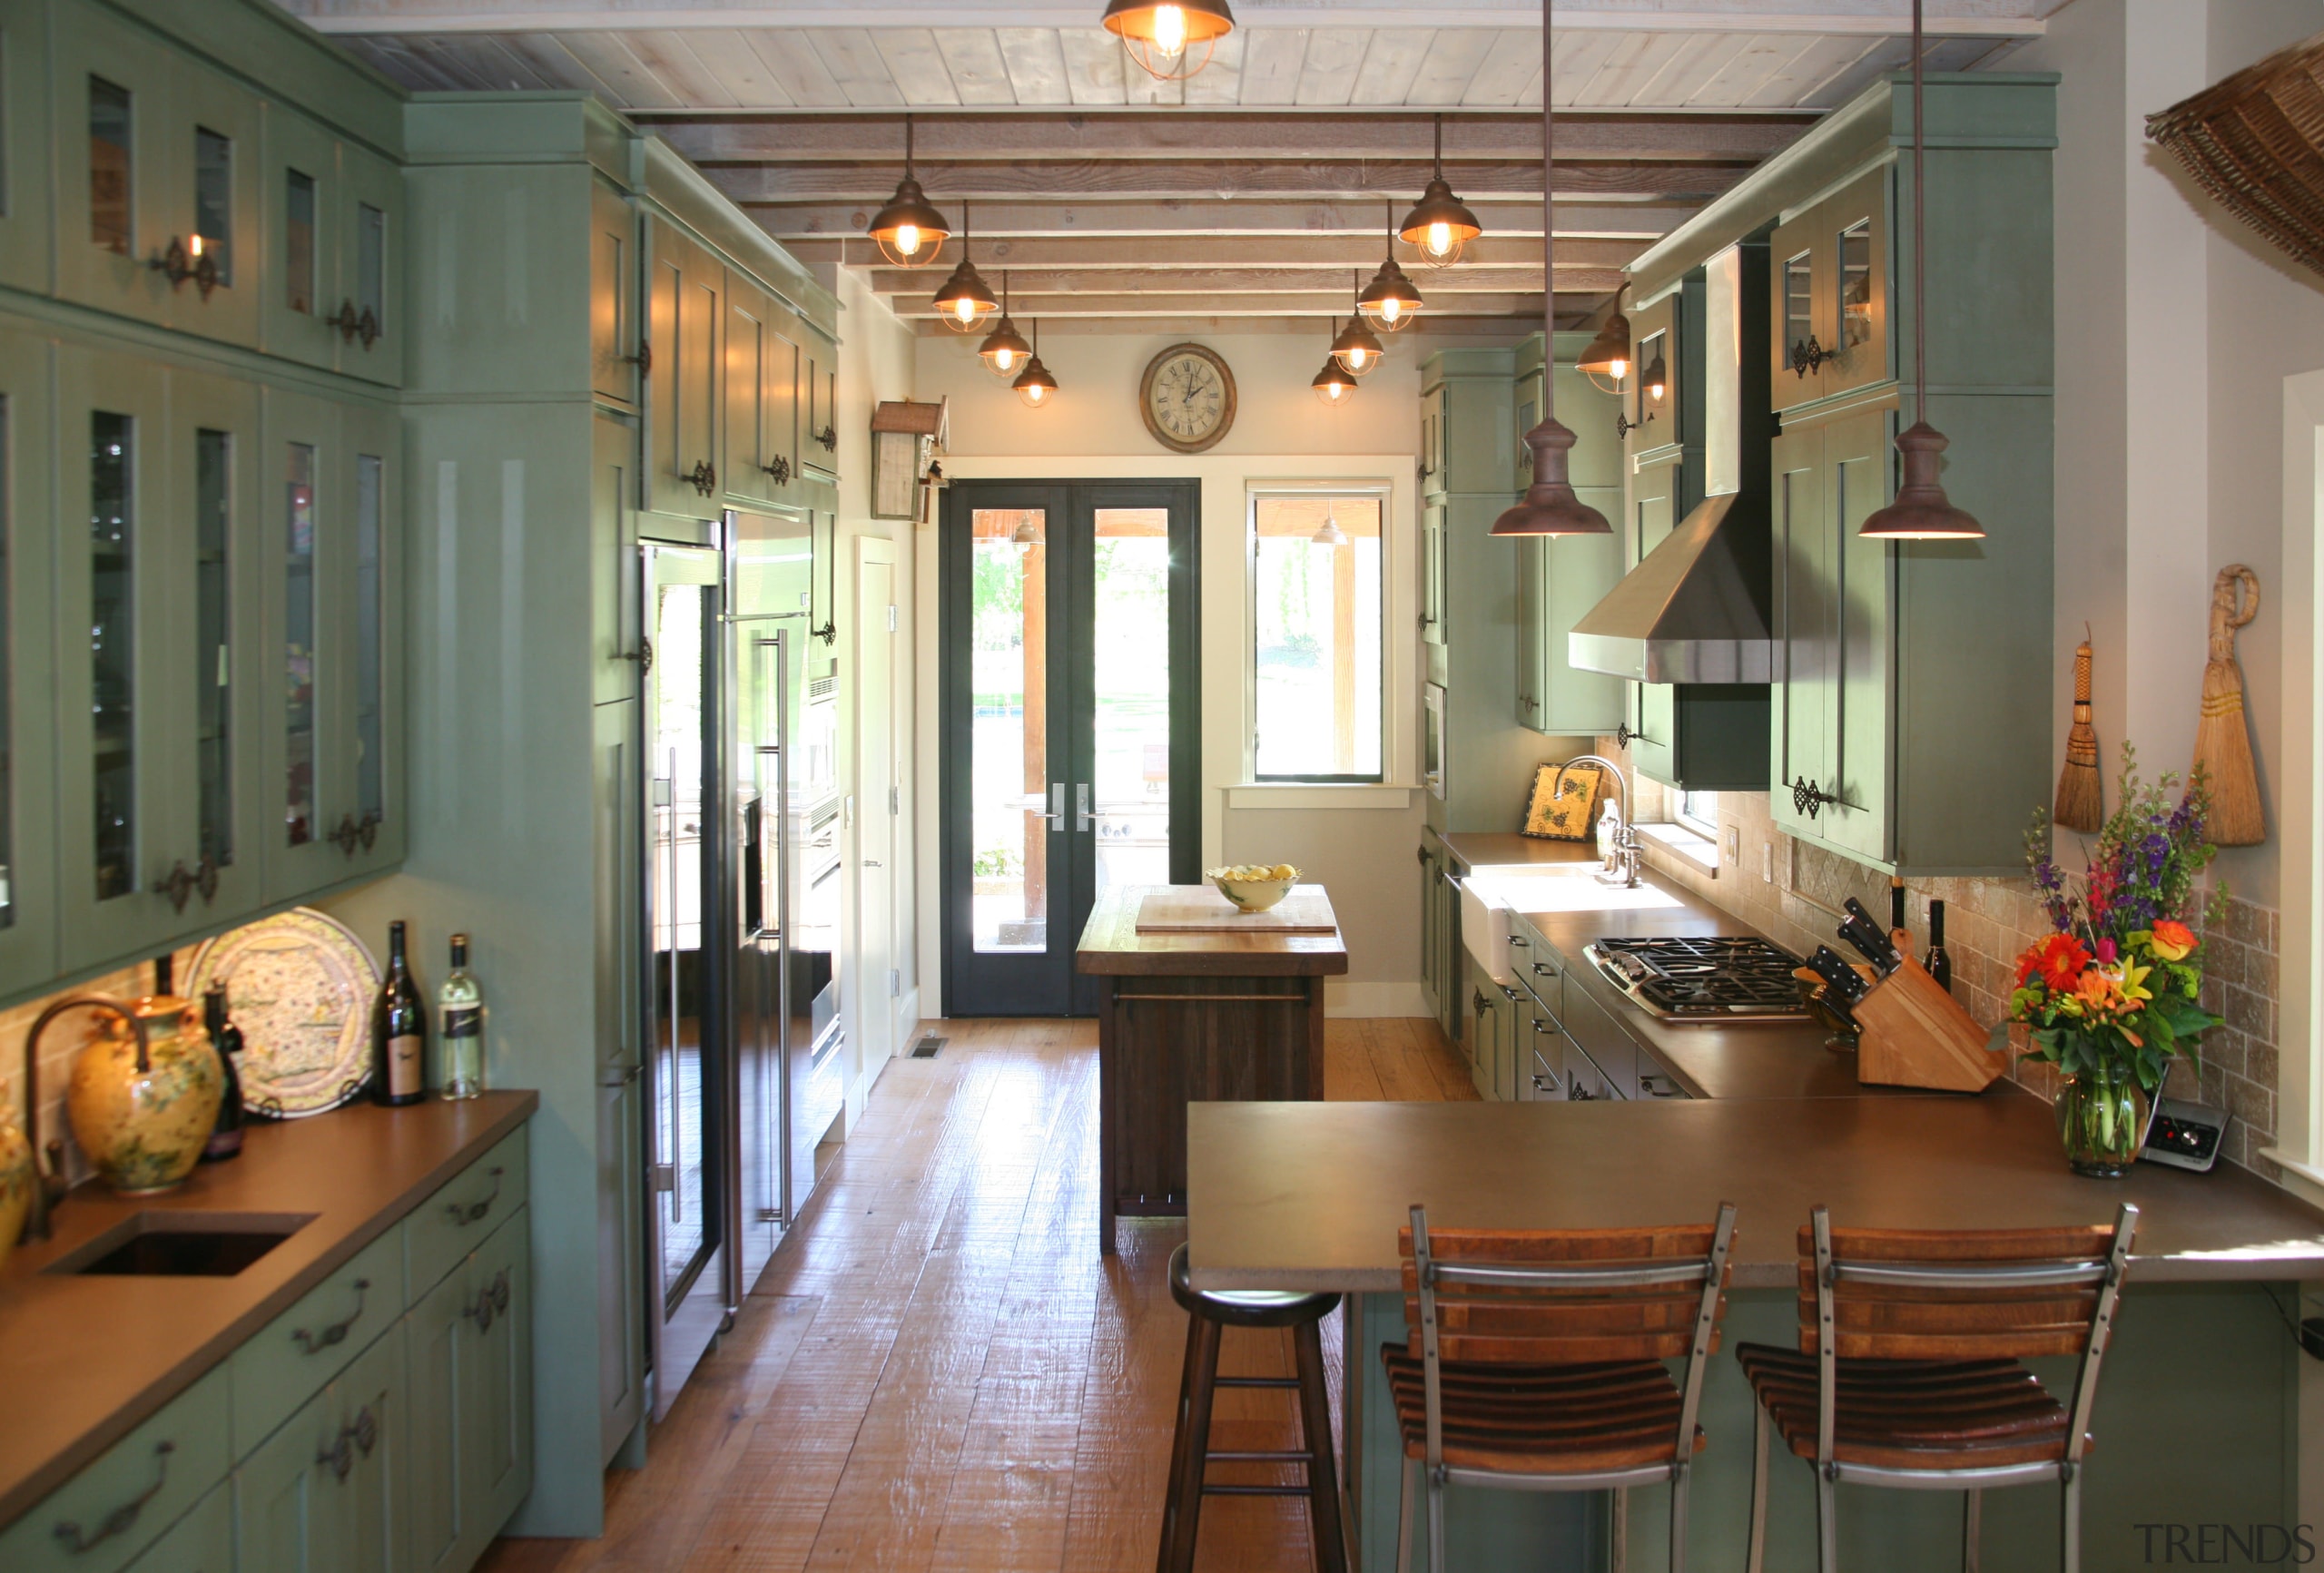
2256, 141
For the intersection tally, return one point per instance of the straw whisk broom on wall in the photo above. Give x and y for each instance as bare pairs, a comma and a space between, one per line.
2223, 737
2080, 804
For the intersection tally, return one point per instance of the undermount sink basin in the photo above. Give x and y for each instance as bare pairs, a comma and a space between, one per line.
168, 1243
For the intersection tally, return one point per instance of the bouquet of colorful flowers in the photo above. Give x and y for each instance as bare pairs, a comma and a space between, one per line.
2114, 989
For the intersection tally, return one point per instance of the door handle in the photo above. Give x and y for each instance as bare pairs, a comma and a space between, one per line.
871, 862
1082, 818
1056, 815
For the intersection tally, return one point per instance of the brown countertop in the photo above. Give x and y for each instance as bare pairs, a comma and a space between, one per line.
1505, 849
1310, 1196
84, 1358
1112, 946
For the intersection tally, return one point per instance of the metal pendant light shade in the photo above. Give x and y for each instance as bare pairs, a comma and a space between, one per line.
1922, 512
1608, 359
909, 229
1390, 302
1328, 533
1357, 347
1004, 350
1034, 385
1439, 225
1171, 40
1332, 385
1549, 507
965, 301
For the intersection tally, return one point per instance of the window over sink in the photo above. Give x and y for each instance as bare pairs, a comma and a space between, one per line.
1317, 654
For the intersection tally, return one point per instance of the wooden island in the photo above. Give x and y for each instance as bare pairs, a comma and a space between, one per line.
1197, 1002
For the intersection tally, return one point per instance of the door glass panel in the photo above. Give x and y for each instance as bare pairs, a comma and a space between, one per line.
214, 504
109, 167
371, 264
298, 642
1131, 628
213, 201
298, 241
1010, 727
677, 757
7, 671
1799, 303
370, 700
1316, 635
1855, 284
113, 611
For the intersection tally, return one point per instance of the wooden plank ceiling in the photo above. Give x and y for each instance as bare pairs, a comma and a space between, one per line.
1247, 198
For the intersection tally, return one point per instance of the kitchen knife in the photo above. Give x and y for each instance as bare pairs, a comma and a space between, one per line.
1866, 935
1842, 982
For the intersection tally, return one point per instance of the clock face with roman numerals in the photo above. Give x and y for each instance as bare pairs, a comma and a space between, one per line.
1187, 397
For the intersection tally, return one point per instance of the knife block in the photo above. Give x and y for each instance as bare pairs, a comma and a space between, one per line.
1917, 1035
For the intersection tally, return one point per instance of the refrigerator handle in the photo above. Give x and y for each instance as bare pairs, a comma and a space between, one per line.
1082, 818
779, 1171
669, 1088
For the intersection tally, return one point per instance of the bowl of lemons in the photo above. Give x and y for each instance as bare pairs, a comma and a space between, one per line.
1255, 887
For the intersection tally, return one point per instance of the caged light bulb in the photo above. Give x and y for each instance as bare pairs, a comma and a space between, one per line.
1169, 31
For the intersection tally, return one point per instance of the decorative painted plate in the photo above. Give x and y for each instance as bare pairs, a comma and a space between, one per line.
300, 986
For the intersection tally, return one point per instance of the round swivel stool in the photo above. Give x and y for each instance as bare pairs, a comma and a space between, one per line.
1208, 1314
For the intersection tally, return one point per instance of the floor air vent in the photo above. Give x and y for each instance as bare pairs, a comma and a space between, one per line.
927, 1047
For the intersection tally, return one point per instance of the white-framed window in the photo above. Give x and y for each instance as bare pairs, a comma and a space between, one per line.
1699, 811
1315, 634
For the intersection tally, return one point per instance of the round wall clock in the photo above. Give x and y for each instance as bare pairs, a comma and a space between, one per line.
1187, 398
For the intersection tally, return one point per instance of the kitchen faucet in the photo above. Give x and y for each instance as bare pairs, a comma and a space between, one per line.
1621, 863
49, 1189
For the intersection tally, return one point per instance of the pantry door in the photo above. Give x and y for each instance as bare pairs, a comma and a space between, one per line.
1070, 747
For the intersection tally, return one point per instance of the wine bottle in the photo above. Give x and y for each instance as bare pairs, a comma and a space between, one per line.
226, 1134
1896, 905
461, 1002
1937, 964
398, 1032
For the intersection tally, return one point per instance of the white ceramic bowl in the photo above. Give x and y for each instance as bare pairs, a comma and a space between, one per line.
1253, 895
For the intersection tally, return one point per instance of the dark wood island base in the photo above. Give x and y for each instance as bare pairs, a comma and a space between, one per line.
1186, 1018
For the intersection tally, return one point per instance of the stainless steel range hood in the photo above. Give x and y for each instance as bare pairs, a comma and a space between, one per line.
1697, 608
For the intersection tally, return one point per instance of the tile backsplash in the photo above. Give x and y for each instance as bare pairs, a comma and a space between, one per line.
1987, 922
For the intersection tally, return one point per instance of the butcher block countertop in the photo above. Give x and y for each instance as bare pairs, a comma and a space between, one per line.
1112, 946
1309, 1195
84, 1358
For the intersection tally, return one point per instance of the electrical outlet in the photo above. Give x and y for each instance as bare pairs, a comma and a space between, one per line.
1767, 861
1734, 846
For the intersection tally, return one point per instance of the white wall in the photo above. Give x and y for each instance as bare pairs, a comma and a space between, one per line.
1362, 856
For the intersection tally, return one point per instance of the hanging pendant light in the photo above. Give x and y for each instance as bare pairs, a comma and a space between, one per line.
1332, 385
1034, 385
1162, 37
910, 231
1027, 532
1004, 349
1390, 302
1922, 512
1549, 507
1328, 533
964, 301
1607, 361
1356, 347
1439, 225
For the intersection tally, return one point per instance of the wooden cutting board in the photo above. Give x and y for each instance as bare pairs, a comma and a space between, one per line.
1201, 909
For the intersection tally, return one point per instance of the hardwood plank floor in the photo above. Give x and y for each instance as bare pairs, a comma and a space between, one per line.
940, 1372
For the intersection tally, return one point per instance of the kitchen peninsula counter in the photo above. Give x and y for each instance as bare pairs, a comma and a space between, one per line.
1188, 1016
86, 1358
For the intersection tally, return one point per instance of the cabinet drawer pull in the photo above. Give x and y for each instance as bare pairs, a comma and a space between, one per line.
336, 1334
1809, 798
177, 885
120, 1519
465, 1213
643, 359
205, 879
490, 1302
829, 437
1806, 355
1653, 1084
779, 472
703, 477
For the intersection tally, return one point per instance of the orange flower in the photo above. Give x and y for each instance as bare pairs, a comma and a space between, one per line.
2173, 942
2059, 959
2096, 989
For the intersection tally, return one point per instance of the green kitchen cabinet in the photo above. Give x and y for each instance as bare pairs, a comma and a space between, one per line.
1442, 975
122, 1502
1559, 578
762, 374
1431, 573
1832, 276
818, 404
25, 256
200, 1542
614, 363
156, 817
28, 850
330, 1492
334, 292
686, 285
469, 1353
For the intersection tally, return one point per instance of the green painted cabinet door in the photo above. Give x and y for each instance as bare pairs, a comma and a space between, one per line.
119, 183
613, 295
200, 1542
25, 258
304, 203
367, 636
28, 673
620, 1059
1806, 625
613, 631
371, 246
685, 287
471, 1401
1526, 409
1432, 479
761, 383
818, 403
1853, 247
306, 550
1653, 720
1433, 987
1533, 629
1432, 547
329, 1492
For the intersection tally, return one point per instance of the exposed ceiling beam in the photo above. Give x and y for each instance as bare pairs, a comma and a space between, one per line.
1157, 181
1318, 305
1162, 253
1255, 277
1507, 218
1497, 328
806, 139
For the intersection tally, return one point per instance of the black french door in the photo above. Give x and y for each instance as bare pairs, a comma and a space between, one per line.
1070, 753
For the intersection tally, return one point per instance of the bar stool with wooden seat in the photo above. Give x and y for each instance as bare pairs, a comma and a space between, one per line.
1908, 1369
1535, 1360
1208, 1314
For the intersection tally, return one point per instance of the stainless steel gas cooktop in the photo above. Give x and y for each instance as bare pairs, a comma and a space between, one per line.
1721, 978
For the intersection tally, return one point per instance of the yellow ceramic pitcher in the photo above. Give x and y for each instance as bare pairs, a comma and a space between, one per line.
142, 1117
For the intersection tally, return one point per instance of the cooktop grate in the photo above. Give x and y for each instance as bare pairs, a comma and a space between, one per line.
1720, 976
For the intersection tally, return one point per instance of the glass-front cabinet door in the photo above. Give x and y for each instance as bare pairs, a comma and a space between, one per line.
371, 241
110, 91
368, 638
299, 309
28, 852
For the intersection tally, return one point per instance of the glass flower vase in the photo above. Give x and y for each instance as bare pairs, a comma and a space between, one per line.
2102, 1121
